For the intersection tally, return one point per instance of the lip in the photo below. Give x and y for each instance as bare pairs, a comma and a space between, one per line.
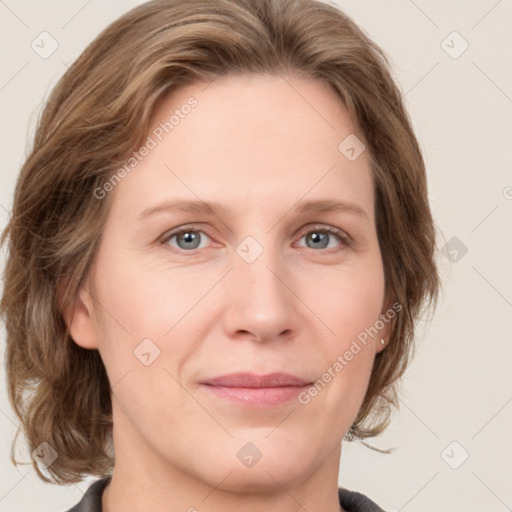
252, 380
258, 391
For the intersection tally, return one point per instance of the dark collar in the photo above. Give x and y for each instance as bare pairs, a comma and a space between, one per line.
351, 501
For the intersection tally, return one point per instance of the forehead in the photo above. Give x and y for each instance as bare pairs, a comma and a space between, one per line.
245, 137
257, 107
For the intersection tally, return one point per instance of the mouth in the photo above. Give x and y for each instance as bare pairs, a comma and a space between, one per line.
257, 391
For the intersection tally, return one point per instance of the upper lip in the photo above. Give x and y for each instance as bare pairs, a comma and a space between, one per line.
252, 380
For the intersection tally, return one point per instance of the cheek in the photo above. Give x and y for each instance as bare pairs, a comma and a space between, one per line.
350, 306
137, 310
145, 313
347, 301
146, 300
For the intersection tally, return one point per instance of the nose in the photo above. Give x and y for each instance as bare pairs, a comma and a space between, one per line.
260, 303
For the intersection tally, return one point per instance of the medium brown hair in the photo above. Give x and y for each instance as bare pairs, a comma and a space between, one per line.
100, 111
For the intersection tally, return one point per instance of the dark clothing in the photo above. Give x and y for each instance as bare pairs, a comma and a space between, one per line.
351, 501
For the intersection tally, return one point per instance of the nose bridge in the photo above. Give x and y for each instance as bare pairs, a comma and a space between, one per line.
259, 263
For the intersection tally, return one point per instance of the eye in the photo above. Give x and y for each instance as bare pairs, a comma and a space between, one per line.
187, 239
319, 238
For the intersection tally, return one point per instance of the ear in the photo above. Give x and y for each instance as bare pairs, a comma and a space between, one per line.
78, 313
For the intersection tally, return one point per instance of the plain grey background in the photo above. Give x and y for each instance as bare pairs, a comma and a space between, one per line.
451, 59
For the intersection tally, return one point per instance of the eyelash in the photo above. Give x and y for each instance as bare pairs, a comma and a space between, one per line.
343, 237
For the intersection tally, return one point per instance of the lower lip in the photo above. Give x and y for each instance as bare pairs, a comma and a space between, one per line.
257, 397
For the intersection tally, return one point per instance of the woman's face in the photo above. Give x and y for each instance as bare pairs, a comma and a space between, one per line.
255, 285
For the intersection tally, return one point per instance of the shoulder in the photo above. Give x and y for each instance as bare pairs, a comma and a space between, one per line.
91, 500
353, 501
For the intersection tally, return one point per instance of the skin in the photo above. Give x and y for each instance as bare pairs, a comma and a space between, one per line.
259, 145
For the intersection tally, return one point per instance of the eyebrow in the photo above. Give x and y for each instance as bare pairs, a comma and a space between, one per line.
314, 206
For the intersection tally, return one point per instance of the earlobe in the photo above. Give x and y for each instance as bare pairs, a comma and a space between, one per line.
381, 345
78, 313
382, 340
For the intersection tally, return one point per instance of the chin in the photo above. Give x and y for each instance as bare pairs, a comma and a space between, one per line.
264, 478
258, 464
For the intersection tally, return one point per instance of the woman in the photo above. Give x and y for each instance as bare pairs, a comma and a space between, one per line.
270, 137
